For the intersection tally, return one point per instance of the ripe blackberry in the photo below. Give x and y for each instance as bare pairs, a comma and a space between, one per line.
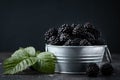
65, 28
78, 30
74, 42
54, 40
88, 25
92, 70
68, 42
90, 28
107, 69
64, 37
85, 42
87, 35
50, 32
94, 32
99, 41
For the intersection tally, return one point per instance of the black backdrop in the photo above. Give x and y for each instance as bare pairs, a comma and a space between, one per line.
23, 23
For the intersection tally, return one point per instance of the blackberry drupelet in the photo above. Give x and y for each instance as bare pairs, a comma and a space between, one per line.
50, 32
53, 40
85, 42
74, 42
92, 70
107, 69
65, 28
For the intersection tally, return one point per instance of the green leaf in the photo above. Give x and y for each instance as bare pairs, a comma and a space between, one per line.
30, 50
46, 62
24, 52
37, 52
23, 58
20, 53
14, 65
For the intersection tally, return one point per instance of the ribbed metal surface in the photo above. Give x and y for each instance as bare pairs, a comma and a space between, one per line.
73, 59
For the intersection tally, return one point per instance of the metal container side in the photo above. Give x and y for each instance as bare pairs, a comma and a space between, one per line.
73, 59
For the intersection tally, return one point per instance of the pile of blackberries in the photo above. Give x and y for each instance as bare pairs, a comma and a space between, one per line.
74, 35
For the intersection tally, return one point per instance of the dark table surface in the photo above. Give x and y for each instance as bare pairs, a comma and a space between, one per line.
32, 75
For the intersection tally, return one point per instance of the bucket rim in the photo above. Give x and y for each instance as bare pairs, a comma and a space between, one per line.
49, 45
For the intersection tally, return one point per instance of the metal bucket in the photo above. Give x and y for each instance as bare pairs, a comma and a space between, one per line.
73, 59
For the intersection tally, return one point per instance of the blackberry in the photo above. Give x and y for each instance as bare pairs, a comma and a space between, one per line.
90, 28
92, 70
54, 40
107, 69
87, 35
99, 41
50, 32
74, 42
64, 37
88, 25
65, 28
68, 42
85, 42
78, 30
95, 32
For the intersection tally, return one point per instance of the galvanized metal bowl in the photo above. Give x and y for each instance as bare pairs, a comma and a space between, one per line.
73, 59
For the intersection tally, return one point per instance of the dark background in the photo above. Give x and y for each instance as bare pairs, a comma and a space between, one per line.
23, 23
